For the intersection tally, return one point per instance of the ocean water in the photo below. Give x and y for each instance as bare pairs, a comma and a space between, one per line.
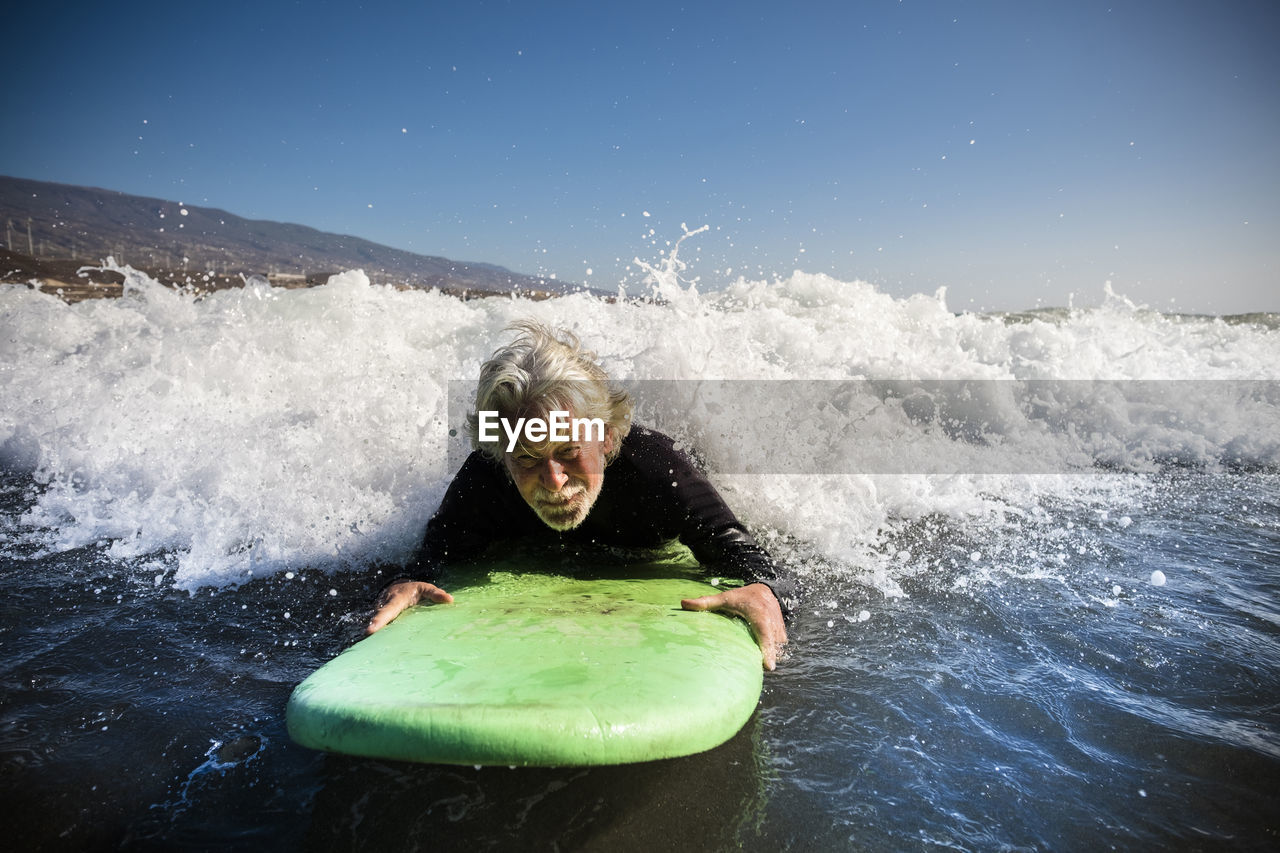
1039, 556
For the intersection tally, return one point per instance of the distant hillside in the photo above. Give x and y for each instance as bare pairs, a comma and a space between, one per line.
48, 220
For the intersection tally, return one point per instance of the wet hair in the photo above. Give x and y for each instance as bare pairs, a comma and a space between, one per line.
543, 371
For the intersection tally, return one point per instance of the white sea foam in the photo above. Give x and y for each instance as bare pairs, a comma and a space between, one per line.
261, 430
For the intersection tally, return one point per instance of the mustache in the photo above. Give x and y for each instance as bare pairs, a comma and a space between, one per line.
564, 496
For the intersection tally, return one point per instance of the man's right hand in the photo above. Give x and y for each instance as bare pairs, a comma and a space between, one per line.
401, 596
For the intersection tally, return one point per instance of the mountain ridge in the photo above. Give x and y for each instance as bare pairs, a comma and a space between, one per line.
52, 220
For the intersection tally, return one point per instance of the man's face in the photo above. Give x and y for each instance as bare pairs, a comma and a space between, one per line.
560, 481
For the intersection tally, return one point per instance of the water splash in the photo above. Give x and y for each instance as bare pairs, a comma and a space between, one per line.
253, 431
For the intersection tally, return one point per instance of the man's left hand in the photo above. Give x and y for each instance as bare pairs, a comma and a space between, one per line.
757, 604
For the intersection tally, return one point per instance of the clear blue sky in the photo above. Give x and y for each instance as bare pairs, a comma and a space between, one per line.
1016, 152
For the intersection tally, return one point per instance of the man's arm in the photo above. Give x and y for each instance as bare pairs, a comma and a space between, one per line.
759, 602
402, 595
758, 606
457, 530
718, 540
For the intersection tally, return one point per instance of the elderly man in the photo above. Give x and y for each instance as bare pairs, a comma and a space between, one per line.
549, 483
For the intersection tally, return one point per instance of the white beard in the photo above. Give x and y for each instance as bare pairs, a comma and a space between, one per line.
565, 509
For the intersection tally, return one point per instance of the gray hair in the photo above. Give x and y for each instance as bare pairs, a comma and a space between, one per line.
543, 371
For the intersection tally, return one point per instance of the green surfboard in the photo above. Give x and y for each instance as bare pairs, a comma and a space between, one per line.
538, 669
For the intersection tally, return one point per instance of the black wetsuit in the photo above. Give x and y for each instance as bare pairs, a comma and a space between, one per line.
652, 494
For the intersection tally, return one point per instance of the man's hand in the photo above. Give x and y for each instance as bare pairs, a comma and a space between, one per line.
401, 596
757, 604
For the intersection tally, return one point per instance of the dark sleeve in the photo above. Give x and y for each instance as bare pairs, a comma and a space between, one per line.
463, 526
708, 527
